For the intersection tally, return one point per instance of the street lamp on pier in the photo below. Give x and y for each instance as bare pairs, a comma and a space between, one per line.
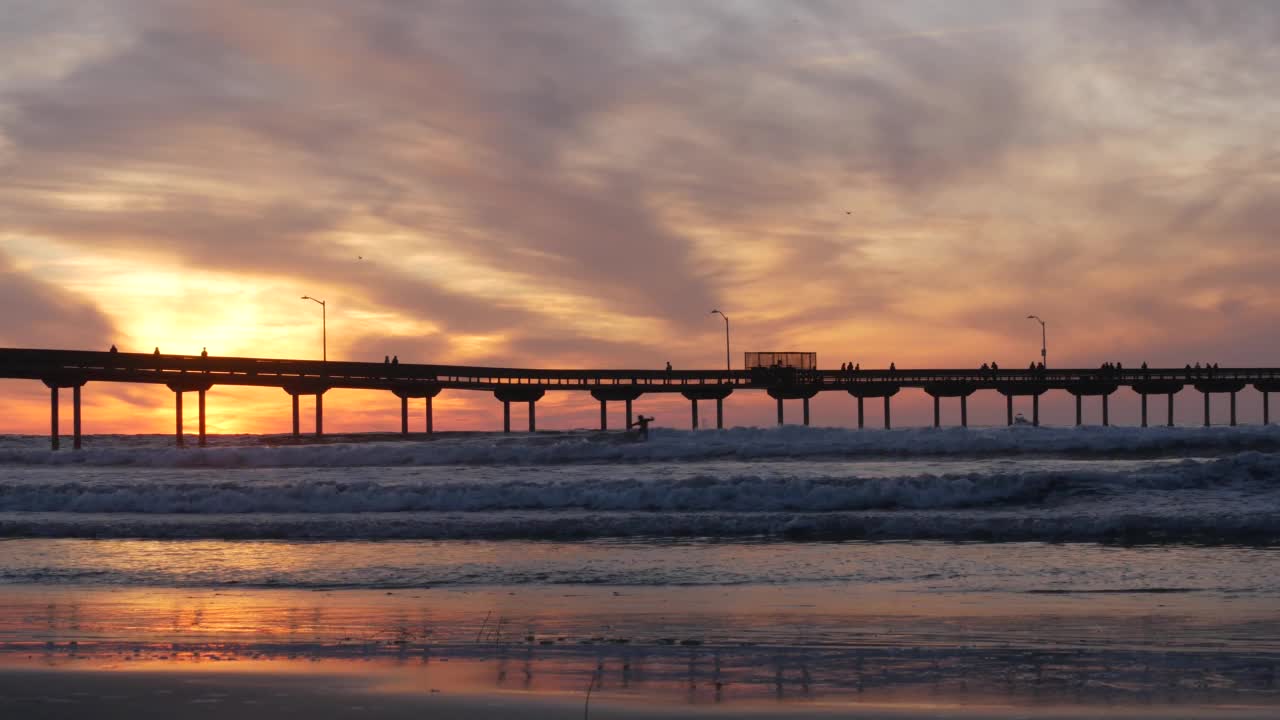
728, 366
1044, 355
324, 327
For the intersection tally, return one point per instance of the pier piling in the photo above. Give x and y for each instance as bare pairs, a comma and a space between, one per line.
53, 416
75, 417
177, 401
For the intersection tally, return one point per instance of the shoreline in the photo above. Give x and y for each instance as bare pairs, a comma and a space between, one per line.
302, 689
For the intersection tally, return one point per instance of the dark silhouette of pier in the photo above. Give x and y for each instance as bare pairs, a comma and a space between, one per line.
182, 374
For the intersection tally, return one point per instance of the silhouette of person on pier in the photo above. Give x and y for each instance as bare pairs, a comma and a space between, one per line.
157, 351
667, 381
113, 349
204, 352
642, 422
395, 359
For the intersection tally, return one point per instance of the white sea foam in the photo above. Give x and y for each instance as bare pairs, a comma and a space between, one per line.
665, 445
1236, 497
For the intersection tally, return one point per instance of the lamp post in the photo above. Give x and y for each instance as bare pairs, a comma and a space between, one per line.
1044, 356
324, 327
728, 366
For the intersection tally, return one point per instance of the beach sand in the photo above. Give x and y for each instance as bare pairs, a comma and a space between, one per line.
111, 694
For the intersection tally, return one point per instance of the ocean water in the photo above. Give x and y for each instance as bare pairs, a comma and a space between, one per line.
1085, 565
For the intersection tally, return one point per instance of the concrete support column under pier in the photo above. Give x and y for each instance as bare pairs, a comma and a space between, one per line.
406, 391
1208, 387
693, 403
1266, 408
956, 390
793, 392
1035, 411
1156, 387
75, 417
1009, 409
53, 417
519, 393
719, 413
177, 401
296, 389
200, 404
604, 395
873, 389
1090, 388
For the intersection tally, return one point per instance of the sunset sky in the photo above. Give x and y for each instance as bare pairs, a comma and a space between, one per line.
576, 184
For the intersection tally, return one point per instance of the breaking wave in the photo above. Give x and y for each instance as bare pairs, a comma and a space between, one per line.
1230, 498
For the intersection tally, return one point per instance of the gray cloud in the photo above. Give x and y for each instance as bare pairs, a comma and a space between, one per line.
37, 313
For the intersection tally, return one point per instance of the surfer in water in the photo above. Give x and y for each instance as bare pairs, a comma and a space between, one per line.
642, 422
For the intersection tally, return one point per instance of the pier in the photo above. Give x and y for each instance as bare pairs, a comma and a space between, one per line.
182, 374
